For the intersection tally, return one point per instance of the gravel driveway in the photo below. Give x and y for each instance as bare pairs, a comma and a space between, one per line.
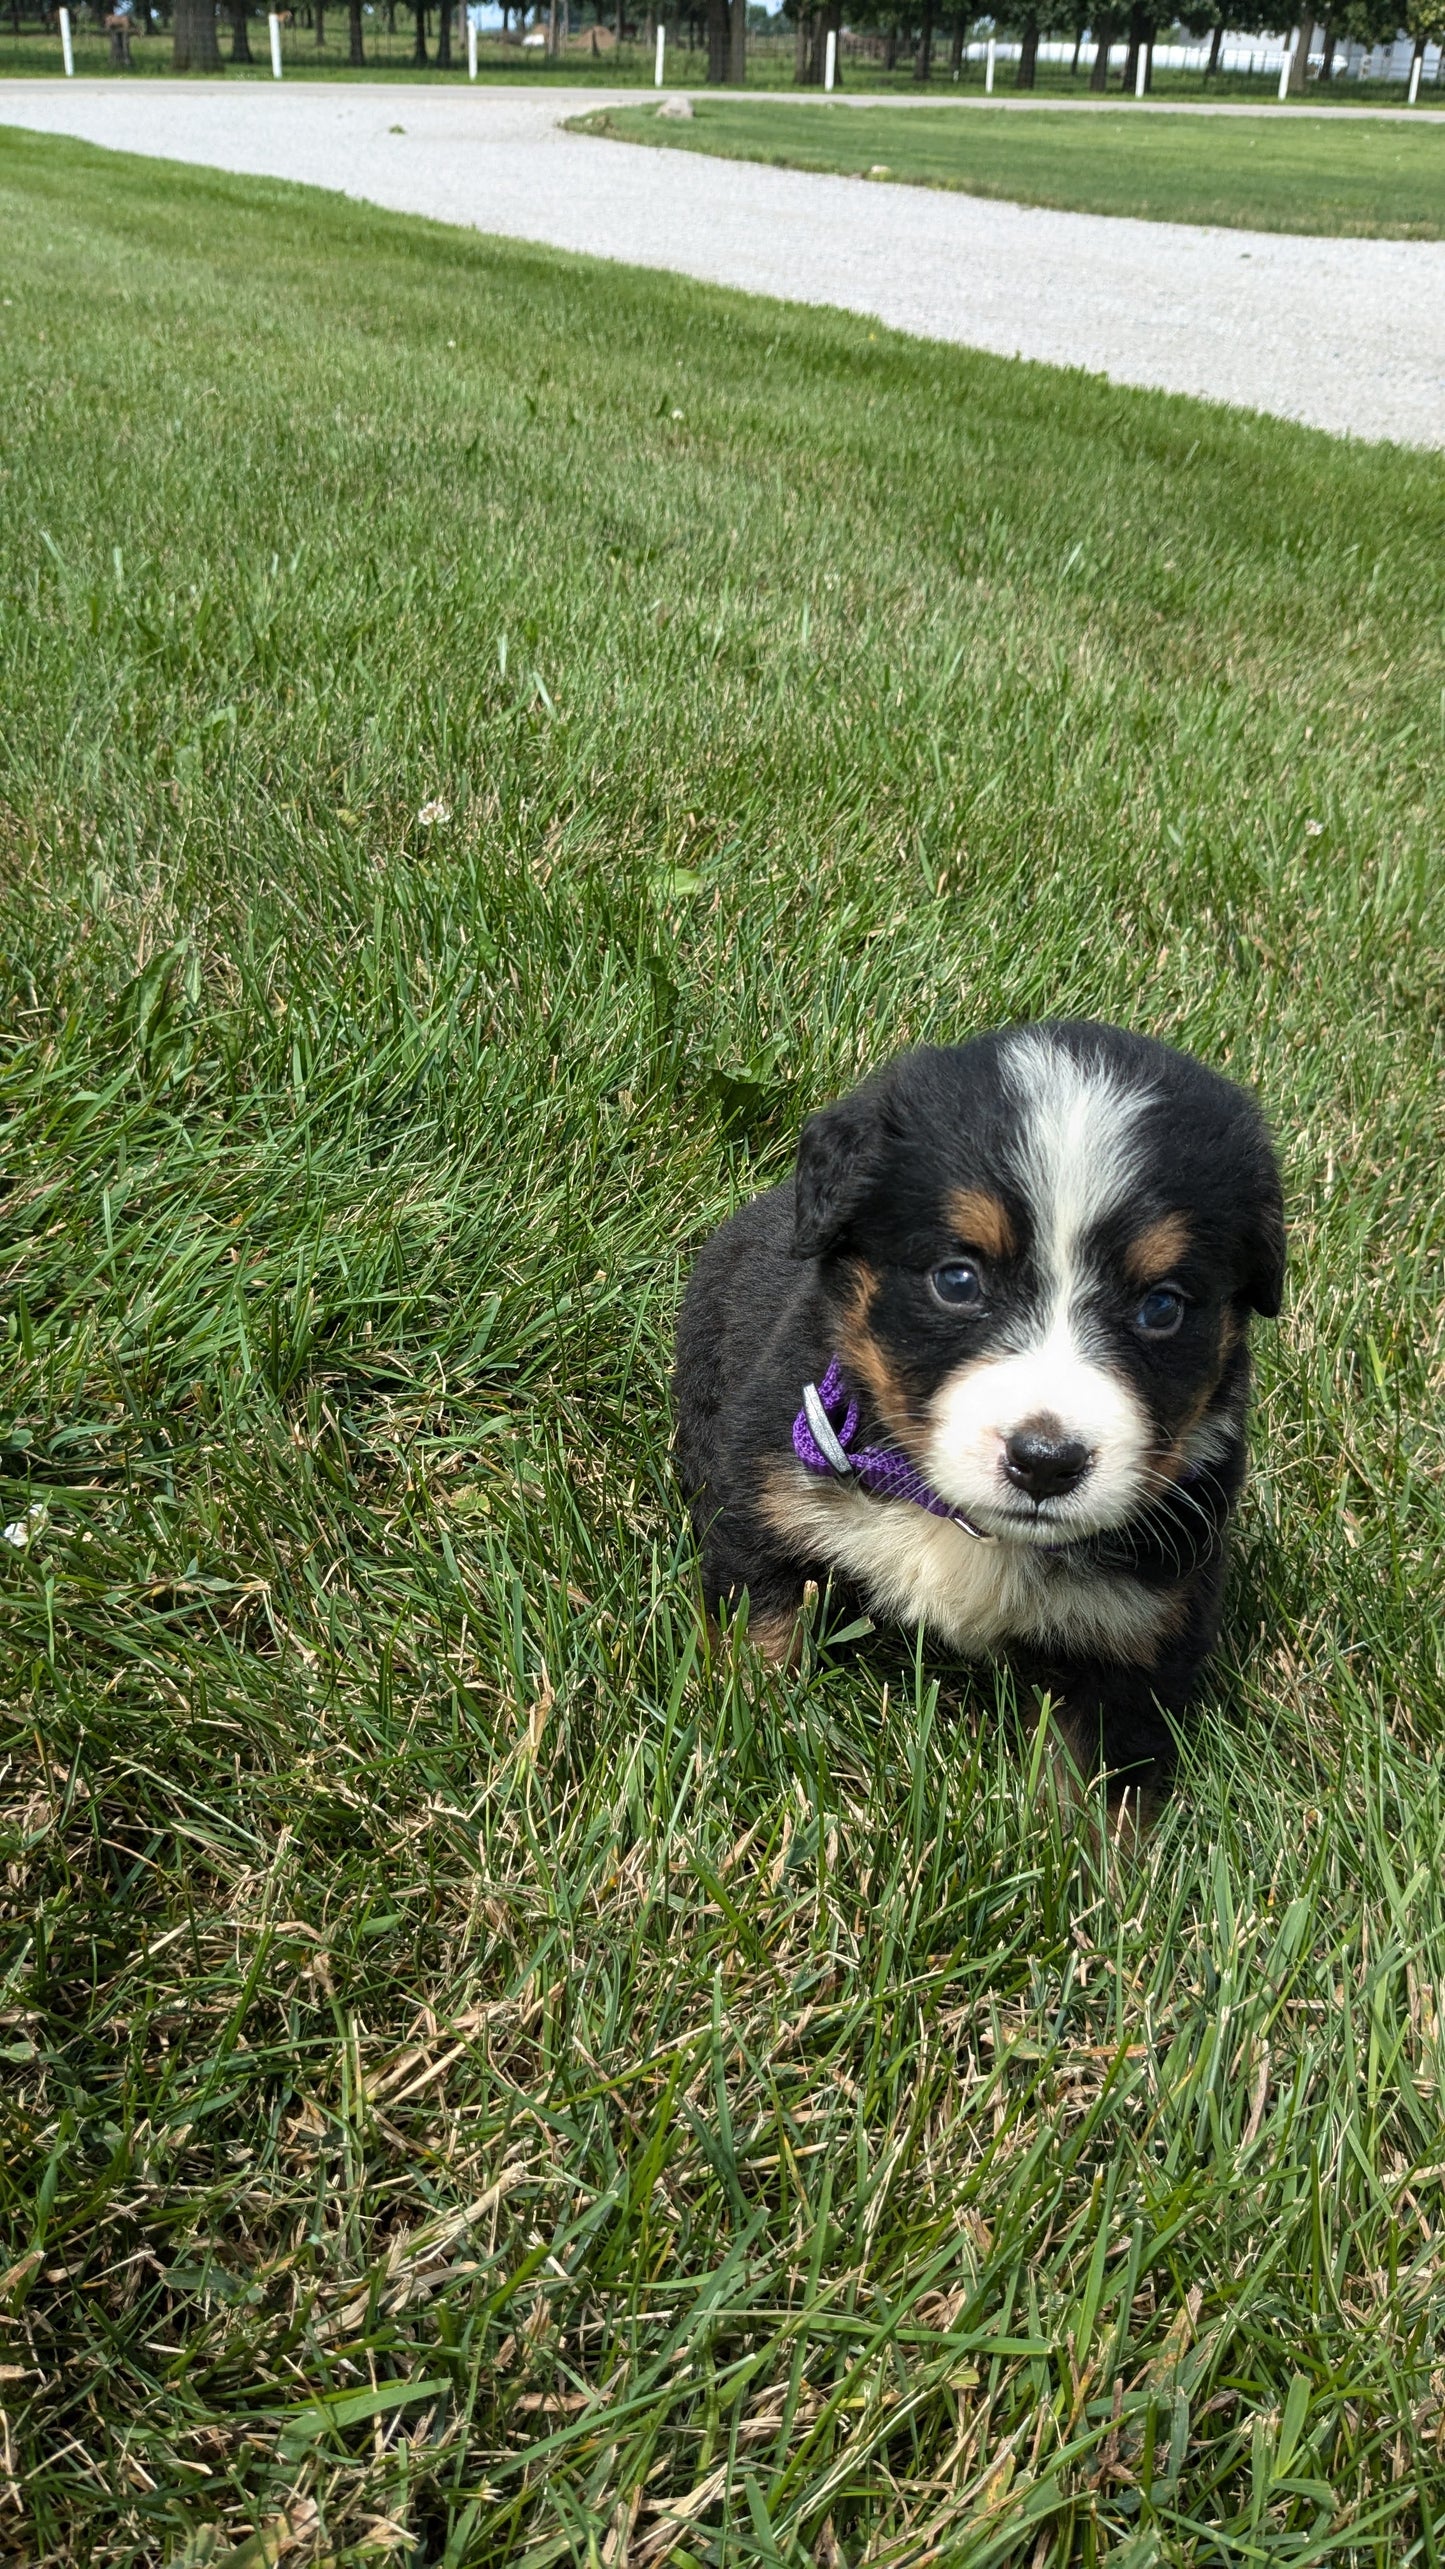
1348, 335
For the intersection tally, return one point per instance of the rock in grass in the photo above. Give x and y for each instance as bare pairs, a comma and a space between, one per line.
675, 107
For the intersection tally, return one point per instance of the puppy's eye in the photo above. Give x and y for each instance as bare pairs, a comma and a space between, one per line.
1160, 1312
958, 1285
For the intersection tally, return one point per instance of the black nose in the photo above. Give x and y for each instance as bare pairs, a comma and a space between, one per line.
1045, 1461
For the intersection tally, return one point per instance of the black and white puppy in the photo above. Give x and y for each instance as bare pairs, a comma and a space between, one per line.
983, 1363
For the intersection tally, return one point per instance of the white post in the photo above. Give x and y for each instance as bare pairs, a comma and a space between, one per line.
1141, 69
67, 50
1415, 78
274, 23
661, 48
988, 70
471, 46
1284, 73
830, 59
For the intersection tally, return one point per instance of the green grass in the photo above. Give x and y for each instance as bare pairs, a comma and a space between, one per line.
1309, 175
486, 2070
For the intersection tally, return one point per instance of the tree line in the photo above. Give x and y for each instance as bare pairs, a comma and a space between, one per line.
927, 32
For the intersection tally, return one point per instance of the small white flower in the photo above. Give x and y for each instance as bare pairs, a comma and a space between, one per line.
677, 414
433, 812
20, 1532
1314, 829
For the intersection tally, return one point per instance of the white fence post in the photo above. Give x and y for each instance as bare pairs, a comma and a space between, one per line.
830, 58
471, 44
661, 47
1415, 79
274, 23
988, 70
67, 50
1141, 69
1284, 73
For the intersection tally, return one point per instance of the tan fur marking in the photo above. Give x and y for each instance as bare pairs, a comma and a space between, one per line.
982, 1222
864, 1362
777, 1637
1158, 1250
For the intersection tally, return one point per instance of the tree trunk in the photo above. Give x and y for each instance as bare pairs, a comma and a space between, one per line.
240, 31
1103, 38
418, 51
955, 50
1028, 53
1301, 62
890, 45
194, 46
357, 51
1136, 38
738, 42
923, 59
1078, 49
717, 41
803, 72
320, 24
444, 34
1215, 41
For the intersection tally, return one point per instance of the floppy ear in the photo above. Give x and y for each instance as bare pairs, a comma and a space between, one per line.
837, 1155
1264, 1246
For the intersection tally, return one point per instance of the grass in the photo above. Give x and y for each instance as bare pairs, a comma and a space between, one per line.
490, 2077
1309, 175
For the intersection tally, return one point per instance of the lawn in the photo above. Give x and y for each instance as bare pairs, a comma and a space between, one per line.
490, 740
1307, 174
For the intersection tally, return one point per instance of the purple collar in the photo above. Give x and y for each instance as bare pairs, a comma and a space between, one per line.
825, 1434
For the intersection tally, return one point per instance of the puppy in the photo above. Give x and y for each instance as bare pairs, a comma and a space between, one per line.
983, 1363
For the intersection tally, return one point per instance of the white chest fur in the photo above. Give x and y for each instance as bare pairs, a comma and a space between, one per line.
976, 1596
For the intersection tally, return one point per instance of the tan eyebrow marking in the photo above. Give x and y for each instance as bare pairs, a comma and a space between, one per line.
1153, 1253
981, 1221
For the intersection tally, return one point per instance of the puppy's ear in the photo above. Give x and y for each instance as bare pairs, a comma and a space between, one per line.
838, 1151
1263, 1282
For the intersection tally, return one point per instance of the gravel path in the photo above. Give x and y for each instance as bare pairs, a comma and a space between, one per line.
1347, 335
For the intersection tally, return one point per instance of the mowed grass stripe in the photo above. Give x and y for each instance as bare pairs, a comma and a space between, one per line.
1314, 174
786, 2130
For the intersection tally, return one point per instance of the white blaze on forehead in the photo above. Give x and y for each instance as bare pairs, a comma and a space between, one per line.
1077, 1155
1077, 1158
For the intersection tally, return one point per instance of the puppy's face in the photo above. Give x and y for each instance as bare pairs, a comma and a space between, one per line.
1044, 1248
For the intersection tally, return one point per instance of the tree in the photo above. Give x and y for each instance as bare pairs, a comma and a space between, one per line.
1425, 21
718, 35
418, 51
814, 24
1142, 23
193, 37
923, 58
1300, 58
240, 31
1207, 18
444, 35
1105, 28
357, 50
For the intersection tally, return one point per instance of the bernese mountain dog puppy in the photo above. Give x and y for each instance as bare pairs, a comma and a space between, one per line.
982, 1363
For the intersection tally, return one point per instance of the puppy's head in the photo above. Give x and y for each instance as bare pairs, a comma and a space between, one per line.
1044, 1248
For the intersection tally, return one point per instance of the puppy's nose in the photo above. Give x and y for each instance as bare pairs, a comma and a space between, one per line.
1042, 1459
